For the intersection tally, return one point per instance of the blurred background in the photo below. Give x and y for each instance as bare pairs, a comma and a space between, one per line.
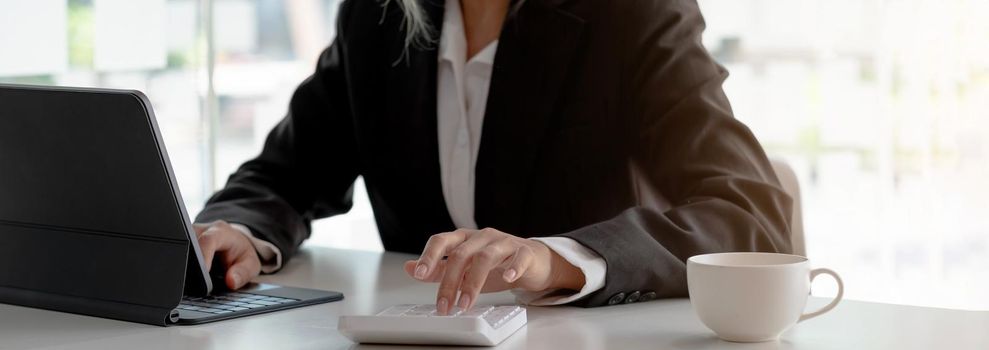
881, 106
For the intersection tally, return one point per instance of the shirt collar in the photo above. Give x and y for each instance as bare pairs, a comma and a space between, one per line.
453, 39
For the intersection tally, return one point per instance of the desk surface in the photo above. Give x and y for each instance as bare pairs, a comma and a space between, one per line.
373, 281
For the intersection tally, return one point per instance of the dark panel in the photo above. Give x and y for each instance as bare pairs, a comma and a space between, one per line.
92, 266
83, 161
90, 307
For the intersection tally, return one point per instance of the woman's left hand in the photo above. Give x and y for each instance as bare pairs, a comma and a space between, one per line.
489, 260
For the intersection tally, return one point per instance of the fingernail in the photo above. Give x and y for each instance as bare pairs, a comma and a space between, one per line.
421, 271
441, 306
509, 275
464, 302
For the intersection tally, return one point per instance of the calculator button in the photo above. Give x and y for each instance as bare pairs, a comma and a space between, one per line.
453, 312
421, 310
396, 310
477, 311
501, 314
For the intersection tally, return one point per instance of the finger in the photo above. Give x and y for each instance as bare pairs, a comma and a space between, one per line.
437, 247
200, 228
488, 258
208, 243
519, 264
456, 265
217, 241
243, 270
434, 274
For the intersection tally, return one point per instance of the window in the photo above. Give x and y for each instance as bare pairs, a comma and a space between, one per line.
148, 45
264, 49
880, 106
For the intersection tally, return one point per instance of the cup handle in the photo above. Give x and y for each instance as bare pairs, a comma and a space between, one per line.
837, 298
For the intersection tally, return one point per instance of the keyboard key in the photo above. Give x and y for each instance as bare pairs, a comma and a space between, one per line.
396, 310
501, 314
454, 312
276, 300
477, 311
420, 310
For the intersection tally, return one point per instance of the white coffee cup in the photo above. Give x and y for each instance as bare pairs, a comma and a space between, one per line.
753, 297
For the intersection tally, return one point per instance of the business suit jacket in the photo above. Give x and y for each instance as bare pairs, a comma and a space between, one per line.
606, 123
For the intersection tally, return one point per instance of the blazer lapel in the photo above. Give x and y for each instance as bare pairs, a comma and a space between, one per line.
534, 52
408, 127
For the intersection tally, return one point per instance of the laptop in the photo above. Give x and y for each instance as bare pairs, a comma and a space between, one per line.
92, 221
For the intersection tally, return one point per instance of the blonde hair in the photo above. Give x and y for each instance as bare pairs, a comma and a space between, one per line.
418, 31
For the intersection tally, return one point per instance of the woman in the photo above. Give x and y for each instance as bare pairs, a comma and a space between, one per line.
599, 127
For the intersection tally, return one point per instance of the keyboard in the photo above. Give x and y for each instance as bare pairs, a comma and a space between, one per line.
231, 302
419, 324
254, 299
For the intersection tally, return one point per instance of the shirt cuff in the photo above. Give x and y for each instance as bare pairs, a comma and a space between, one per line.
271, 257
589, 262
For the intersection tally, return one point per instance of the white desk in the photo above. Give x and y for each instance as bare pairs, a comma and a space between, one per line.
373, 281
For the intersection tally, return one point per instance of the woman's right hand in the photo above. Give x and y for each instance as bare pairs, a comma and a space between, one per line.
222, 243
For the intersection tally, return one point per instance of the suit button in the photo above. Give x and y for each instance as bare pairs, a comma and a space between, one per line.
632, 297
648, 296
616, 299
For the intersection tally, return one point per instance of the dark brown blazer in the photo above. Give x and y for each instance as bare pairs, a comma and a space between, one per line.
606, 123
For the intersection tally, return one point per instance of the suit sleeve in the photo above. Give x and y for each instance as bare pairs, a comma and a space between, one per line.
723, 193
306, 169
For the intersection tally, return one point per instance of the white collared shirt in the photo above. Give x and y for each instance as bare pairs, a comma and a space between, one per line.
461, 99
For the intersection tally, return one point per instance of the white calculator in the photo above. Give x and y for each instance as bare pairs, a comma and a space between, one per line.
419, 324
